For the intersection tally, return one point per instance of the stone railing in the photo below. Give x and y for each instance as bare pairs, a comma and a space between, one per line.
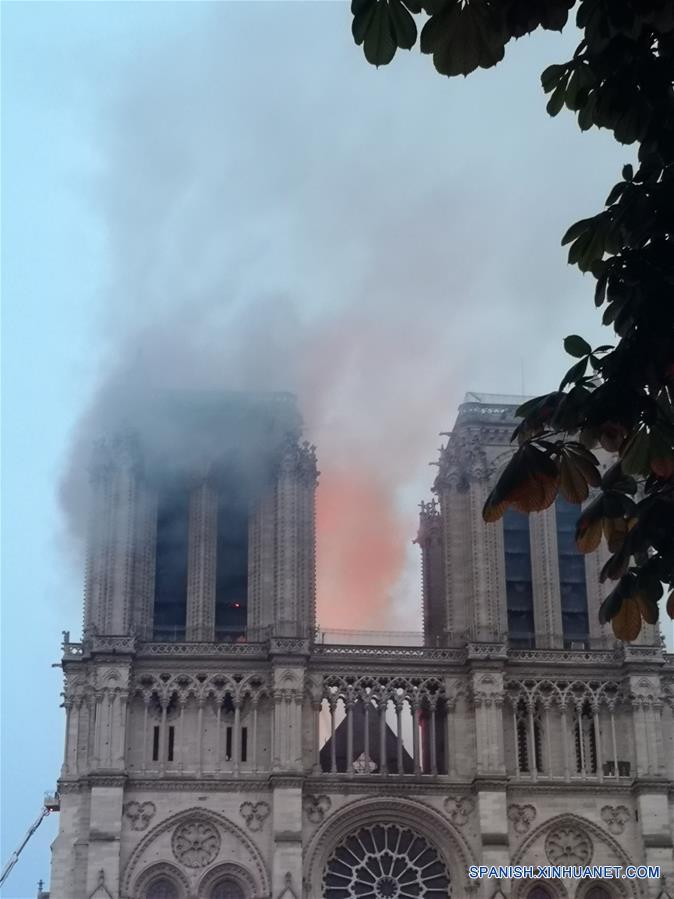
567, 656
479, 412
176, 650
394, 653
111, 644
652, 654
72, 650
596, 652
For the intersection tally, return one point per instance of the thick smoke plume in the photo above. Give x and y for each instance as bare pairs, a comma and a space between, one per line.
279, 216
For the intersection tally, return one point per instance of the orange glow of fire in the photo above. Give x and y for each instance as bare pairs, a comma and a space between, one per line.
360, 549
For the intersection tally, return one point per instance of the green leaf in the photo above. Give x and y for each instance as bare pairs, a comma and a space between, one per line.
555, 15
577, 347
363, 10
636, 452
572, 89
434, 7
586, 76
574, 374
379, 45
579, 246
611, 605
576, 230
463, 37
404, 26
434, 32
586, 111
616, 193
532, 405
551, 76
556, 101
600, 289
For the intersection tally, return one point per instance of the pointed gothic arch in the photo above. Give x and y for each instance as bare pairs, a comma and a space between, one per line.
135, 872
422, 819
539, 889
599, 889
625, 889
231, 873
156, 873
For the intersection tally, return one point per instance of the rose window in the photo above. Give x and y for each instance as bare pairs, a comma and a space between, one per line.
195, 843
385, 861
568, 846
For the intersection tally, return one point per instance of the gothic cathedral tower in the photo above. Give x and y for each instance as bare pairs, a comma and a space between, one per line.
201, 549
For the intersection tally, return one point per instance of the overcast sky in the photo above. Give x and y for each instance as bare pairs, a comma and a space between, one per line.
227, 196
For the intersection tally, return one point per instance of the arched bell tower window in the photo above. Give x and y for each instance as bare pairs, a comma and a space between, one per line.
231, 583
572, 584
162, 888
227, 889
519, 587
170, 601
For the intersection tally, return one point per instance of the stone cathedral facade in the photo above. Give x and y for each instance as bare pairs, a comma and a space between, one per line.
217, 748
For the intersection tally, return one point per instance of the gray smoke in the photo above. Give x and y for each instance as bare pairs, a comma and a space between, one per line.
280, 216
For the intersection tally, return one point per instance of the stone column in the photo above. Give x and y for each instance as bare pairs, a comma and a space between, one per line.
430, 540
545, 579
97, 577
112, 537
455, 510
294, 607
474, 556
261, 566
69, 706
483, 560
145, 563
306, 575
201, 562
91, 701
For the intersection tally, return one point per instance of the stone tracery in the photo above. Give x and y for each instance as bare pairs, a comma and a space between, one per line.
195, 843
568, 845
